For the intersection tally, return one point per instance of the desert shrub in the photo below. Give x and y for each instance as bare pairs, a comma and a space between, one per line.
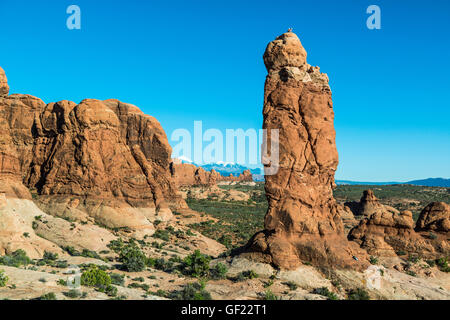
162, 234
373, 260
442, 263
3, 278
358, 294
269, 295
61, 282
138, 279
226, 241
246, 275
73, 294
16, 259
431, 263
50, 256
413, 258
48, 296
196, 264
132, 258
117, 279
116, 245
90, 254
61, 264
323, 291
432, 236
71, 251
143, 286
108, 289
292, 285
191, 291
95, 277
219, 271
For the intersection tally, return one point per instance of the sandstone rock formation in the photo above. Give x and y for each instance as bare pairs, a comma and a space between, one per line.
434, 217
4, 88
387, 233
368, 205
104, 161
302, 223
186, 174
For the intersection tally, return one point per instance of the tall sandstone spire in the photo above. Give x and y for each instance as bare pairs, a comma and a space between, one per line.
302, 223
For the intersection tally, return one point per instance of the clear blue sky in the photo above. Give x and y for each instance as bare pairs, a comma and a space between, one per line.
182, 61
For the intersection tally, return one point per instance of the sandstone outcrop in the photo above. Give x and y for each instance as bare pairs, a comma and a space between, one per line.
434, 217
4, 88
302, 223
387, 233
100, 160
368, 205
186, 174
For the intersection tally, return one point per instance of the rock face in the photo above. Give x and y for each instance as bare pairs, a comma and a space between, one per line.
387, 233
368, 205
186, 174
100, 160
302, 223
434, 217
4, 88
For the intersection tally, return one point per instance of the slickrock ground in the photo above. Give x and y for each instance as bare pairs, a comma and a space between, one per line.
303, 223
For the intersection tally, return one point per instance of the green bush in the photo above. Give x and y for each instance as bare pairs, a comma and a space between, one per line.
117, 279
16, 259
219, 271
132, 258
73, 294
373, 260
72, 251
191, 291
95, 277
323, 291
292, 285
50, 256
90, 254
48, 296
269, 295
109, 290
442, 263
358, 294
246, 275
116, 245
162, 234
196, 264
3, 279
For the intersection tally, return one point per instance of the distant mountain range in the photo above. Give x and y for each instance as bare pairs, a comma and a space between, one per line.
224, 168
227, 168
430, 182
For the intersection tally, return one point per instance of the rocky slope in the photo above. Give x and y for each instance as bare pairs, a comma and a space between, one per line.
303, 222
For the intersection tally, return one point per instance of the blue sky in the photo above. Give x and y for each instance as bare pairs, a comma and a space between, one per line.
182, 61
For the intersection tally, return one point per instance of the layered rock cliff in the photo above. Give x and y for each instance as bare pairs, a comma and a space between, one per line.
303, 222
97, 160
